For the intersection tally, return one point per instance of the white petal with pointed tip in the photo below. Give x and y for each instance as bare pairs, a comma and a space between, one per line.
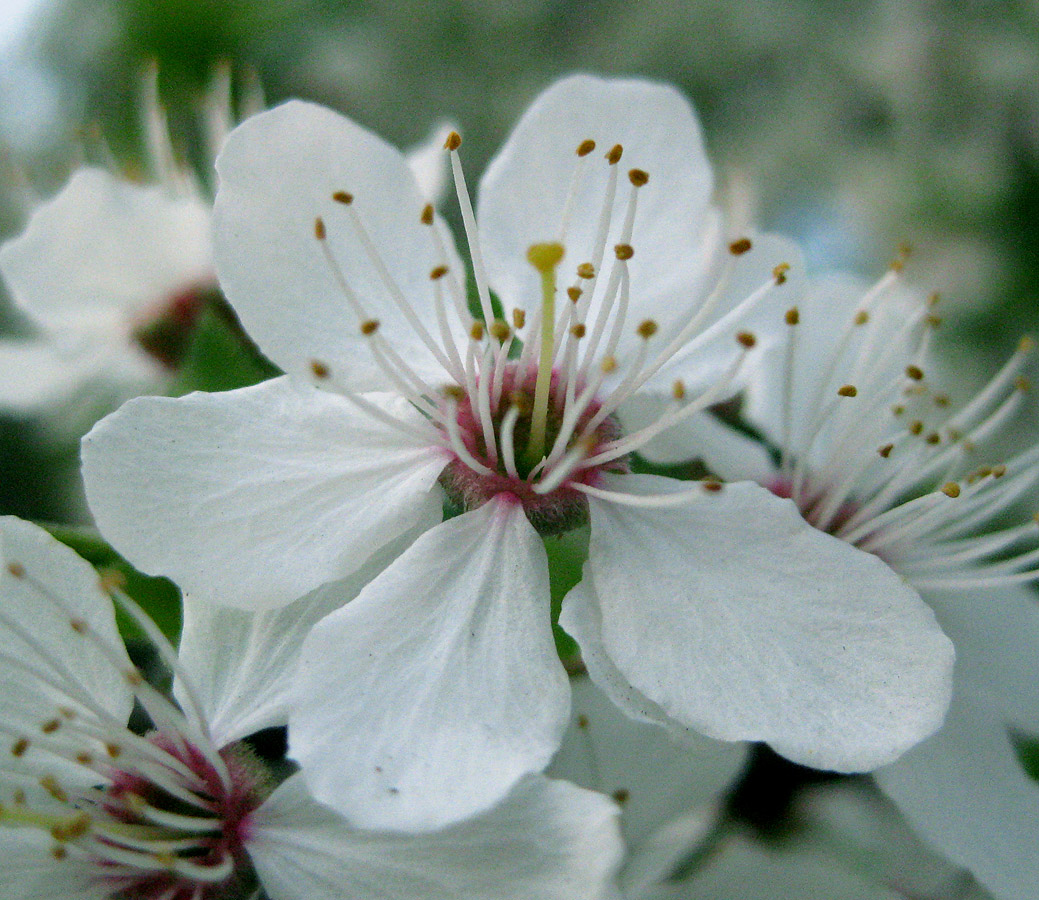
44, 586
104, 251
278, 172
741, 620
255, 497
547, 840
426, 698
653, 777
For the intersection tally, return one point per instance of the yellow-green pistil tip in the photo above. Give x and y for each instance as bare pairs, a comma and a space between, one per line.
544, 258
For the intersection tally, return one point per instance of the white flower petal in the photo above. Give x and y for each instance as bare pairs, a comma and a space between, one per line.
653, 778
255, 497
429, 162
44, 589
965, 791
714, 349
728, 453
72, 383
30, 872
996, 634
278, 172
524, 190
741, 620
241, 664
427, 697
547, 840
104, 250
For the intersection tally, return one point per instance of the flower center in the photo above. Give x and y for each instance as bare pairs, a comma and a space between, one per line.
484, 468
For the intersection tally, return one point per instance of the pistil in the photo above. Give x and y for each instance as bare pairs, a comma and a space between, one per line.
545, 258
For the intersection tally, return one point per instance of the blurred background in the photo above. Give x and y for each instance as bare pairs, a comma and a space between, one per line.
851, 127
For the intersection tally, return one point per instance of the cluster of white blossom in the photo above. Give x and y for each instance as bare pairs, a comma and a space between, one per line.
367, 545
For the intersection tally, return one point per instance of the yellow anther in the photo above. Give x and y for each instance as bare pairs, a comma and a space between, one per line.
500, 330
613, 155
647, 328
519, 317
574, 293
624, 251
437, 273
19, 747
133, 678
578, 330
793, 316
847, 390
861, 317
933, 438
84, 759
740, 246
58, 852
951, 489
916, 427
779, 272
933, 298
586, 270
319, 369
898, 409
621, 795
941, 400
545, 257
454, 392
78, 625
585, 147
369, 327
711, 485
50, 784
111, 579
582, 721
638, 177
453, 142
608, 364
746, 339
476, 331
1022, 383
50, 726
113, 750
885, 451
426, 218
678, 390
999, 471
16, 569
933, 321
914, 372
319, 228
344, 197
1026, 344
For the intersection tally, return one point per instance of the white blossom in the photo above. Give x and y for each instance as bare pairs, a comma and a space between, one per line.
720, 611
92, 809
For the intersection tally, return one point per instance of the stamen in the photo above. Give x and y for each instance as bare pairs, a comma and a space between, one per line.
454, 141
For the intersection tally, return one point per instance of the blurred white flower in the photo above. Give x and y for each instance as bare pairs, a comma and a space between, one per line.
874, 454
712, 610
92, 809
113, 274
